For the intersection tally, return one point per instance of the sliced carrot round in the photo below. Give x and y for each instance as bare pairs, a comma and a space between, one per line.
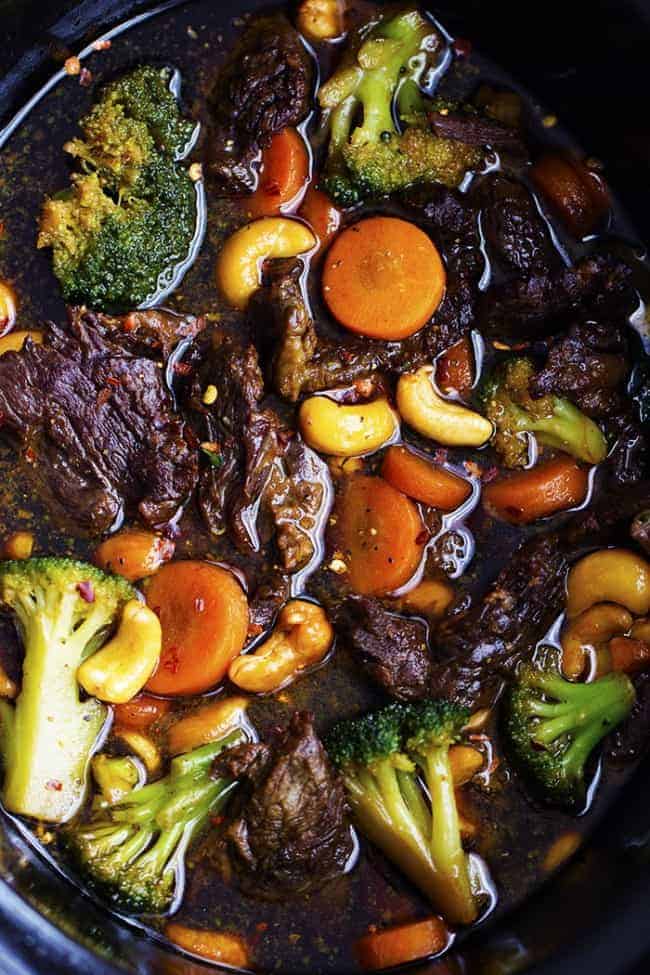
426, 482
204, 617
380, 534
401, 944
321, 215
283, 176
543, 490
383, 278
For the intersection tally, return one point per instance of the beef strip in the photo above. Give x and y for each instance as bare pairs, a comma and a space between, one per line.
393, 649
264, 86
475, 130
516, 235
151, 332
97, 428
288, 833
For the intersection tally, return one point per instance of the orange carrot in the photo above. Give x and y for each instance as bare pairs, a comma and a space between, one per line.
133, 554
401, 944
455, 368
220, 946
577, 194
420, 479
539, 492
204, 617
383, 277
380, 534
629, 655
141, 712
283, 176
321, 215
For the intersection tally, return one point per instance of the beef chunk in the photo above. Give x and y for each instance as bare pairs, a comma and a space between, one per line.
288, 833
97, 426
152, 332
264, 86
265, 600
393, 649
474, 130
516, 235
482, 646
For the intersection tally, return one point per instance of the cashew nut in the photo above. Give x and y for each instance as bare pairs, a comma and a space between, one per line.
239, 265
143, 747
346, 430
321, 20
613, 575
7, 306
589, 631
641, 631
124, 665
15, 341
209, 723
301, 638
431, 597
439, 419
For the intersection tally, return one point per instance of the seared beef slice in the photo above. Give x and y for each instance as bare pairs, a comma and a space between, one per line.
289, 832
97, 428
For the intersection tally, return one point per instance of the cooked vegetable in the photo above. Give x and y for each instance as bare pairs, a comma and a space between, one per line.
432, 598
374, 157
321, 20
64, 610
122, 667
379, 756
132, 851
8, 309
142, 746
455, 368
629, 655
219, 946
124, 230
134, 554
346, 430
440, 419
553, 726
543, 490
212, 721
141, 712
590, 631
283, 176
612, 575
426, 482
555, 421
203, 612
380, 535
321, 215
239, 264
383, 277
19, 545
401, 944
576, 193
116, 776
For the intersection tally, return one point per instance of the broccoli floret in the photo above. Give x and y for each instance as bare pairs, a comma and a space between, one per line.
380, 79
553, 726
555, 421
132, 851
379, 755
64, 610
126, 228
115, 776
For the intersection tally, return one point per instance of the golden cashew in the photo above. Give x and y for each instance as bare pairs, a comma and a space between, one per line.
239, 265
7, 306
301, 638
321, 20
439, 419
209, 723
588, 631
124, 665
641, 631
431, 598
14, 341
143, 747
346, 430
612, 575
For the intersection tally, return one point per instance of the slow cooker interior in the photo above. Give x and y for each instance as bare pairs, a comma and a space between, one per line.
586, 63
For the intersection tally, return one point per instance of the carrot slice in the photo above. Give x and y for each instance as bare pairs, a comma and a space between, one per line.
204, 616
283, 176
221, 946
539, 492
455, 368
380, 534
403, 943
141, 712
578, 195
629, 655
422, 480
133, 553
321, 215
383, 277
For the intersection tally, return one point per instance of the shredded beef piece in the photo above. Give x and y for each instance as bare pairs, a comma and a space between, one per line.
98, 428
608, 516
266, 600
515, 232
151, 332
476, 131
393, 649
640, 530
482, 646
288, 833
264, 86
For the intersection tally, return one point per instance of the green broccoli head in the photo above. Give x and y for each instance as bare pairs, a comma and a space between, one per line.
553, 420
131, 851
378, 756
64, 610
374, 158
126, 228
553, 725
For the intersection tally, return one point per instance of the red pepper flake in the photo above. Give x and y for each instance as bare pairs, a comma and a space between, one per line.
217, 820
113, 381
462, 47
30, 456
129, 323
85, 78
103, 397
182, 368
101, 45
171, 660
54, 785
86, 591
